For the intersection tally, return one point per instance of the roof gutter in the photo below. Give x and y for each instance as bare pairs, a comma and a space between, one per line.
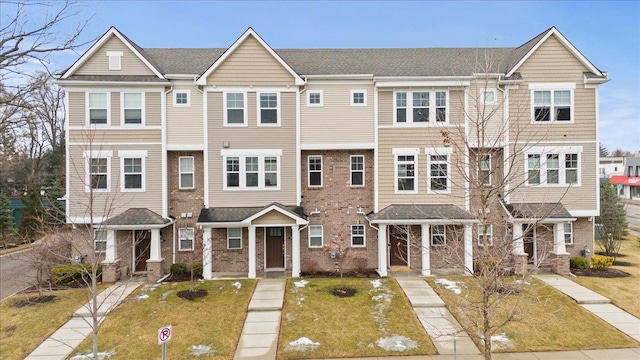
100, 82
424, 221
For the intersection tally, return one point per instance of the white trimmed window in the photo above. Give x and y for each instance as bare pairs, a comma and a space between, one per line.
421, 107
315, 171
98, 108
358, 236
315, 98
553, 169
234, 238
568, 233
552, 102
182, 98
481, 234
358, 97
132, 108
439, 173
235, 111
357, 170
100, 240
186, 238
133, 174
115, 60
99, 173
315, 236
269, 108
253, 172
438, 235
533, 169
406, 172
484, 170
488, 97
187, 175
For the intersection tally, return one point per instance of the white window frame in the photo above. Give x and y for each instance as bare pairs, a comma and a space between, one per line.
562, 169
570, 233
277, 108
229, 237
115, 60
321, 236
123, 174
175, 98
96, 241
123, 108
433, 234
364, 97
309, 171
552, 88
315, 92
244, 109
448, 151
88, 187
180, 172
396, 162
262, 171
489, 234
352, 171
182, 237
363, 235
481, 170
432, 105
483, 97
88, 108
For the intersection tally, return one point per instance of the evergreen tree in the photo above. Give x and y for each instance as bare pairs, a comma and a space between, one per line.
612, 224
31, 224
6, 220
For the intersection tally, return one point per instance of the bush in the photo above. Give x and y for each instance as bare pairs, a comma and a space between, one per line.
179, 268
197, 269
67, 274
601, 262
578, 263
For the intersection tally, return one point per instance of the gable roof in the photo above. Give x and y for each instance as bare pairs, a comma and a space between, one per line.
246, 215
538, 211
250, 32
137, 50
136, 218
421, 213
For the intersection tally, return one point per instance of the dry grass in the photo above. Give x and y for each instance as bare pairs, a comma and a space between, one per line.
23, 329
550, 321
623, 292
347, 327
215, 320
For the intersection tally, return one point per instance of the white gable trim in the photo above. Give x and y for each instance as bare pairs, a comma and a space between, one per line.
98, 44
297, 219
250, 32
566, 44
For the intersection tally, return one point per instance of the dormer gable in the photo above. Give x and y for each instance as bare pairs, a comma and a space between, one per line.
250, 61
113, 54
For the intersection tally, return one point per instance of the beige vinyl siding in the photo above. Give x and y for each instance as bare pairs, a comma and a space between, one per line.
386, 105
581, 197
250, 64
115, 201
116, 117
319, 124
98, 64
184, 123
486, 121
257, 138
273, 217
408, 137
137, 135
153, 109
77, 108
553, 63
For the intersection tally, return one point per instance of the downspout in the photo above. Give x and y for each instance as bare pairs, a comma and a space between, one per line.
165, 169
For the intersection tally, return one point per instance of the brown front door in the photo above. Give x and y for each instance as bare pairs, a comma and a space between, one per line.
398, 241
528, 237
274, 247
142, 249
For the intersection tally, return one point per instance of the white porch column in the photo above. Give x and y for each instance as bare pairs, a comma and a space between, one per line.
252, 252
207, 258
156, 254
559, 247
426, 250
382, 250
518, 240
111, 254
295, 249
468, 249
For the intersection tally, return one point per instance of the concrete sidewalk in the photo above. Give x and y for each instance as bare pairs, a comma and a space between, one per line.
596, 303
69, 336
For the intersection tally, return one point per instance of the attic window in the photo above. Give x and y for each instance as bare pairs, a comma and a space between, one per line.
115, 60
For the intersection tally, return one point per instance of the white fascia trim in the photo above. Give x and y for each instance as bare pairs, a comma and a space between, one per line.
117, 87
222, 225
584, 213
567, 44
245, 89
98, 44
597, 141
341, 77
132, 153
185, 147
205, 151
114, 83
251, 152
181, 76
487, 75
405, 151
103, 127
249, 32
137, 227
114, 143
424, 78
353, 146
552, 86
67, 207
425, 221
423, 83
298, 220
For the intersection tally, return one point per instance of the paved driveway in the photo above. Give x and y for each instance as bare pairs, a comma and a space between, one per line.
16, 273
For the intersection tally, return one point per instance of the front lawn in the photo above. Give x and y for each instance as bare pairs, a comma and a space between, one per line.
550, 321
377, 321
208, 326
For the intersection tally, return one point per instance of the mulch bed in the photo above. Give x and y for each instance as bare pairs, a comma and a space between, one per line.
336, 274
192, 294
181, 277
343, 292
608, 273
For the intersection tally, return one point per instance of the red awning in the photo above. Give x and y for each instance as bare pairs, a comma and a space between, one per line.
625, 180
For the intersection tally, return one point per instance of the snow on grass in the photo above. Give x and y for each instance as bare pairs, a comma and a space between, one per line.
376, 283
237, 285
145, 289
302, 344
382, 295
142, 296
300, 283
397, 343
89, 355
449, 285
501, 341
199, 350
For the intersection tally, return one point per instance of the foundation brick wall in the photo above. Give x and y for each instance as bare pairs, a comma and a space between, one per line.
338, 203
582, 237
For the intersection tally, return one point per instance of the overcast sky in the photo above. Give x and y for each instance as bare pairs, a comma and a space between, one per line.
606, 32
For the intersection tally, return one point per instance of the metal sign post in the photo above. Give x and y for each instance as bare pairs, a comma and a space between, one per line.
164, 335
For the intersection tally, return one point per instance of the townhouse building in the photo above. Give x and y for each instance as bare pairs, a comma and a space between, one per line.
250, 159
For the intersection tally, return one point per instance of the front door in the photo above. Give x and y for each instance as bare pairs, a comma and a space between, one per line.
528, 237
398, 242
142, 249
274, 248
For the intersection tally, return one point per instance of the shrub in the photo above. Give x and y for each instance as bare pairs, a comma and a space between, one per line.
67, 274
601, 262
578, 263
179, 268
197, 269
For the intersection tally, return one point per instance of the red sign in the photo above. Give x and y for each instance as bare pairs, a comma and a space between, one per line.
625, 180
164, 334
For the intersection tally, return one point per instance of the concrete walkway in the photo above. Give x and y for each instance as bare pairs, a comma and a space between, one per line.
69, 336
596, 303
259, 338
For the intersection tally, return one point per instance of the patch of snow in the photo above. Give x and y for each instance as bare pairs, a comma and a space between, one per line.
237, 285
302, 344
89, 355
142, 297
300, 283
290, 317
300, 300
449, 285
165, 295
197, 350
501, 341
382, 297
376, 283
397, 343
522, 282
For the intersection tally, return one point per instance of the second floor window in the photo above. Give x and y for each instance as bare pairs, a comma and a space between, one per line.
357, 170
405, 173
358, 98
235, 112
99, 172
98, 108
484, 170
186, 169
251, 172
181, 98
315, 171
438, 172
420, 107
553, 169
268, 112
552, 105
132, 170
132, 104
314, 98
